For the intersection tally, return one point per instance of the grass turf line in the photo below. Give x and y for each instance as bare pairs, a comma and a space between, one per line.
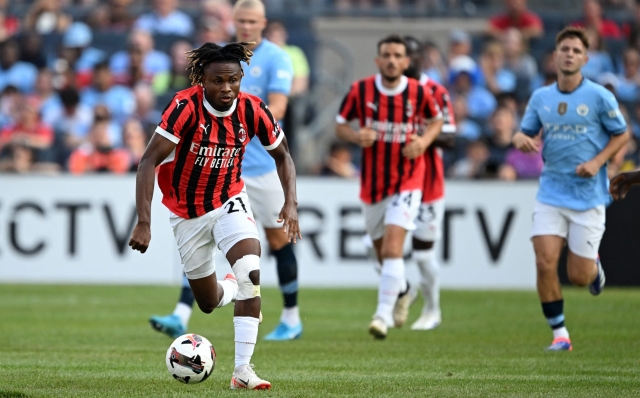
95, 341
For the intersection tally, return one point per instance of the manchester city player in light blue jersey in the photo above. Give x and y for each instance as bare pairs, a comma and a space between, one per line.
579, 127
269, 77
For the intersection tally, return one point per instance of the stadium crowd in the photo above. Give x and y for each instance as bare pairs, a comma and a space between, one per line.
74, 97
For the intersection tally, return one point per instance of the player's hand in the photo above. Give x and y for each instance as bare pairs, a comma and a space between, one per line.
289, 215
415, 148
366, 137
588, 169
141, 237
621, 183
525, 144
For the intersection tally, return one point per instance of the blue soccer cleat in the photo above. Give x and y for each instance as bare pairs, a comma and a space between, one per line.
169, 325
284, 332
598, 284
560, 344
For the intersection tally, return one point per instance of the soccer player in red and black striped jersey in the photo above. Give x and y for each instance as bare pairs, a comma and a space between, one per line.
431, 212
199, 146
398, 120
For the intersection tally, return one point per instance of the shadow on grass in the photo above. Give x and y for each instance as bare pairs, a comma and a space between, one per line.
12, 394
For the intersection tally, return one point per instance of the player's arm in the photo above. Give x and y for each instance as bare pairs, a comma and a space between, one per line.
278, 105
158, 149
621, 183
591, 168
528, 138
287, 173
433, 116
365, 137
280, 72
447, 137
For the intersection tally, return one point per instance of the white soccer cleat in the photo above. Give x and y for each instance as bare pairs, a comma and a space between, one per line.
427, 321
244, 378
401, 309
260, 318
378, 328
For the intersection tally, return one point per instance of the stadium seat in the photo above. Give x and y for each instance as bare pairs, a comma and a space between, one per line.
164, 42
109, 42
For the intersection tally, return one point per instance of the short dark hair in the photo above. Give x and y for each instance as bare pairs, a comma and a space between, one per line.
208, 53
413, 44
395, 38
573, 32
70, 97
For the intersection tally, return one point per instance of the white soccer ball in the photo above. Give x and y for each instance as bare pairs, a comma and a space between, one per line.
191, 358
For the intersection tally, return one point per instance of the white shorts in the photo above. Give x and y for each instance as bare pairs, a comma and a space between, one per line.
267, 198
198, 238
429, 221
583, 230
399, 209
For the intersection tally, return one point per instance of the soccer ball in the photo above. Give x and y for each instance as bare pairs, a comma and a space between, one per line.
191, 358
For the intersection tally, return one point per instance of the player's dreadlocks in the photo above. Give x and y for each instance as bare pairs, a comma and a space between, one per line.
210, 52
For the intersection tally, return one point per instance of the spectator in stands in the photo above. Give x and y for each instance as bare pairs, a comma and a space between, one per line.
165, 19
494, 76
434, 65
177, 78
627, 90
9, 24
480, 102
517, 60
523, 165
212, 31
135, 142
473, 164
113, 16
517, 16
9, 103
28, 130
276, 33
219, 11
501, 130
609, 81
548, 74
338, 162
146, 112
76, 44
17, 159
465, 128
592, 19
31, 50
153, 61
459, 44
46, 16
118, 99
599, 59
45, 96
99, 154
14, 72
135, 73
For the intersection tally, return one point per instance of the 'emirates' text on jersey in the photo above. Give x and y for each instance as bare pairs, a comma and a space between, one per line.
434, 167
395, 114
204, 170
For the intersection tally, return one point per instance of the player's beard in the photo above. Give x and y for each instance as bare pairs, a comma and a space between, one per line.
390, 78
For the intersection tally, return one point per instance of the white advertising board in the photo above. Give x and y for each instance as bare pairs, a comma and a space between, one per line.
70, 229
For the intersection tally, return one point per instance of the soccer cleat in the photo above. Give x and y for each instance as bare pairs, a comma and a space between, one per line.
169, 325
378, 328
427, 321
560, 344
284, 332
401, 309
598, 284
245, 378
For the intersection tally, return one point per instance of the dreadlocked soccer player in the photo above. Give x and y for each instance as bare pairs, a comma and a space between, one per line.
199, 146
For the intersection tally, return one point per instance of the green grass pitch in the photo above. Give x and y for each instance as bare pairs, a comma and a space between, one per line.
95, 341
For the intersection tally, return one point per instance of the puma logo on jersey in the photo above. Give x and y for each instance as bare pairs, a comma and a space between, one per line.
178, 103
205, 128
373, 106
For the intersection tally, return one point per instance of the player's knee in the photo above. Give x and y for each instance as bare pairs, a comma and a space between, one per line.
578, 277
207, 306
247, 272
546, 264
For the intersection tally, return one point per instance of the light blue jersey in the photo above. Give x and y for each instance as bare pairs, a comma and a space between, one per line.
270, 71
575, 127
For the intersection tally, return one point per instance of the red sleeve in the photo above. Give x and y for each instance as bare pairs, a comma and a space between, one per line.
349, 107
610, 30
175, 118
444, 101
430, 108
269, 132
499, 22
530, 20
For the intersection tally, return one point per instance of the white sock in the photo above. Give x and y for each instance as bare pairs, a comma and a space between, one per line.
392, 282
246, 335
183, 312
560, 332
290, 316
230, 291
430, 271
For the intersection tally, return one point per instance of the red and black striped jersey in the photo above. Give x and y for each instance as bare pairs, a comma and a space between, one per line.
434, 167
203, 171
395, 114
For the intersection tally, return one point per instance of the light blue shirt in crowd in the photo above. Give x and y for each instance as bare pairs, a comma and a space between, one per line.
176, 23
270, 71
154, 62
22, 75
119, 99
576, 126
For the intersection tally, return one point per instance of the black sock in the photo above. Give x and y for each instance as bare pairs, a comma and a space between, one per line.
405, 291
186, 296
553, 311
287, 274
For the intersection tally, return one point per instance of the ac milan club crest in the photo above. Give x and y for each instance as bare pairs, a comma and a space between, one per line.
242, 134
409, 109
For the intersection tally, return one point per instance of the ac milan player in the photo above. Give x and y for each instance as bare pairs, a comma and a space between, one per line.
429, 220
200, 143
391, 109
